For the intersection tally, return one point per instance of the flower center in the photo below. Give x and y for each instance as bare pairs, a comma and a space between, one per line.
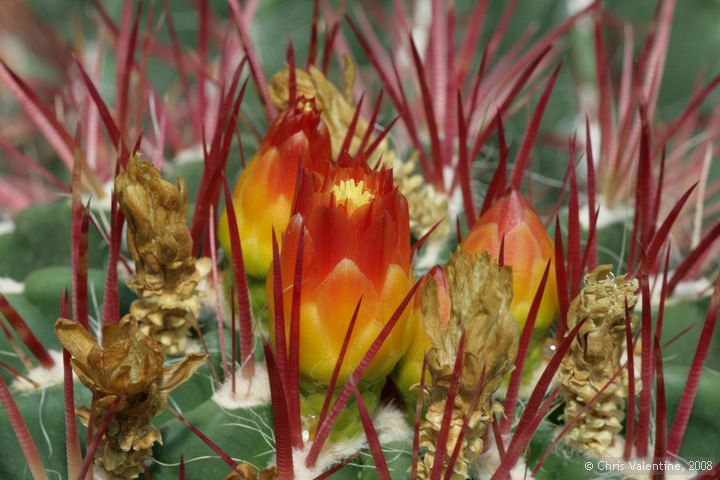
352, 194
306, 105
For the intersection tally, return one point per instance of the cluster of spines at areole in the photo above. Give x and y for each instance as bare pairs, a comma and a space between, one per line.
460, 111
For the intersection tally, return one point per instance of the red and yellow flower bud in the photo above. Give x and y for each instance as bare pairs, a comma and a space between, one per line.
527, 251
263, 194
356, 244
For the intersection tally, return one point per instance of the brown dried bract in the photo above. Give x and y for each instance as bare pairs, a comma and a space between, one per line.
166, 274
594, 357
472, 295
128, 366
427, 205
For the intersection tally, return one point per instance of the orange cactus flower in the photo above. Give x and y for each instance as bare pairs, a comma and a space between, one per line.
263, 194
356, 244
527, 250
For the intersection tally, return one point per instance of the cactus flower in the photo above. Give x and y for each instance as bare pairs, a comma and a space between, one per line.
356, 244
263, 194
527, 251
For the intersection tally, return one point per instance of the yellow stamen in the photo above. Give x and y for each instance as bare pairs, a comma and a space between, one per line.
352, 194
305, 105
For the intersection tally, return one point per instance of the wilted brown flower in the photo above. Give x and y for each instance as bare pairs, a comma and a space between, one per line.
427, 206
594, 357
129, 367
166, 274
471, 295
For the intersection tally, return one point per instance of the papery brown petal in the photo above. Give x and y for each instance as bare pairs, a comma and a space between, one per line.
114, 334
147, 440
75, 338
105, 402
87, 376
178, 373
83, 414
246, 471
431, 311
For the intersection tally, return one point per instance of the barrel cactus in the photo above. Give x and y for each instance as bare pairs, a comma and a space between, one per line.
223, 259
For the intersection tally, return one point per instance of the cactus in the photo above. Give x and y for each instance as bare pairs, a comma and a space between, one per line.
315, 312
